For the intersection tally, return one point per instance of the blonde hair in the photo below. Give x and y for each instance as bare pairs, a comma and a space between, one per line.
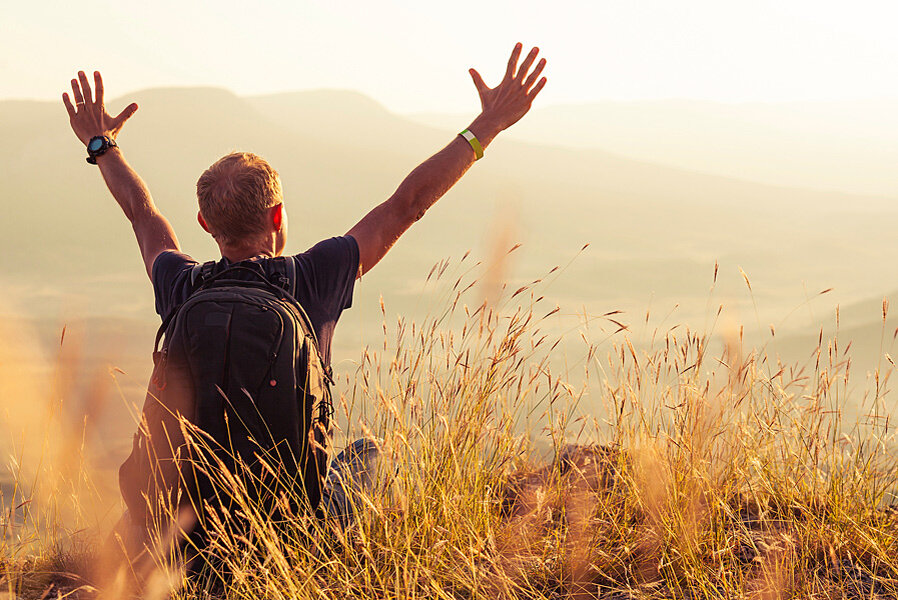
234, 194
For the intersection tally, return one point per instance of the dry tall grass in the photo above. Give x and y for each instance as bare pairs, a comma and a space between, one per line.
705, 475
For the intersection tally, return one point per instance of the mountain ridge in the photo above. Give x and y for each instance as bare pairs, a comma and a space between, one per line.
654, 230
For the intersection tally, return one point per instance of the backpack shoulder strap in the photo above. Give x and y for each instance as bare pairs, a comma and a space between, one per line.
290, 263
285, 266
195, 273
285, 269
200, 272
208, 269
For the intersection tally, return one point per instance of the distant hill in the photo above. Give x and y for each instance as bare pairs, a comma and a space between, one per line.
848, 146
654, 231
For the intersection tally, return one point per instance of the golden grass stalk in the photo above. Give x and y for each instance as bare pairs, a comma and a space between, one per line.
686, 467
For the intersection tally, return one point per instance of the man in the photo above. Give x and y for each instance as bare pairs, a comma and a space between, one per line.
241, 203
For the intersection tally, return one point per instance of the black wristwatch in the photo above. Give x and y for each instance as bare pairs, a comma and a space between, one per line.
97, 146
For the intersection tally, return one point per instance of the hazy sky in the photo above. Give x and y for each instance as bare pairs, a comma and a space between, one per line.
414, 55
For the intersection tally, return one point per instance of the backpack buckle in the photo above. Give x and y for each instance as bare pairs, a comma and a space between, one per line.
159, 360
282, 281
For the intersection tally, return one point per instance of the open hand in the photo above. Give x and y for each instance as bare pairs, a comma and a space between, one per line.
88, 116
506, 103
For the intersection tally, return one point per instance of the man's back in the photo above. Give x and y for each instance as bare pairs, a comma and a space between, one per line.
240, 362
325, 279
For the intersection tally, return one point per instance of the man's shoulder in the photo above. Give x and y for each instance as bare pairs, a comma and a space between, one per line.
169, 268
340, 253
171, 261
327, 272
344, 244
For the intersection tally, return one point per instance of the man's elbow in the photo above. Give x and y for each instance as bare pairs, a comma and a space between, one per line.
144, 216
407, 206
140, 222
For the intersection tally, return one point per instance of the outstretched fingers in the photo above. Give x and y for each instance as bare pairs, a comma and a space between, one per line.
76, 93
124, 115
525, 66
478, 81
535, 75
536, 89
85, 86
98, 87
513, 61
68, 106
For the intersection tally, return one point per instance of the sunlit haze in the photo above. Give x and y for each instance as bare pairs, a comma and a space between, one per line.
759, 136
644, 346
413, 56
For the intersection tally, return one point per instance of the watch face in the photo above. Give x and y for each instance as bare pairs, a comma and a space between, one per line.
95, 144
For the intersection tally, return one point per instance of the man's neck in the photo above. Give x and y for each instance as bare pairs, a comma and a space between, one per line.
236, 254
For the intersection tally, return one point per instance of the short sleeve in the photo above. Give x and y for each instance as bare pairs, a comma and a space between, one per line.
169, 273
330, 268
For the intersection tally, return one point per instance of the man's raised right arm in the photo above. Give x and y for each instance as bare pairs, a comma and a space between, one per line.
89, 118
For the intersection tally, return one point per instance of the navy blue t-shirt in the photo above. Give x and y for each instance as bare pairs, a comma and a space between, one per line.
325, 276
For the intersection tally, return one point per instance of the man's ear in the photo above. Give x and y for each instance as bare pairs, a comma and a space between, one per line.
277, 216
202, 222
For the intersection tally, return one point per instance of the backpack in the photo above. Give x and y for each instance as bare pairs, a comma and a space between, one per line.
240, 361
